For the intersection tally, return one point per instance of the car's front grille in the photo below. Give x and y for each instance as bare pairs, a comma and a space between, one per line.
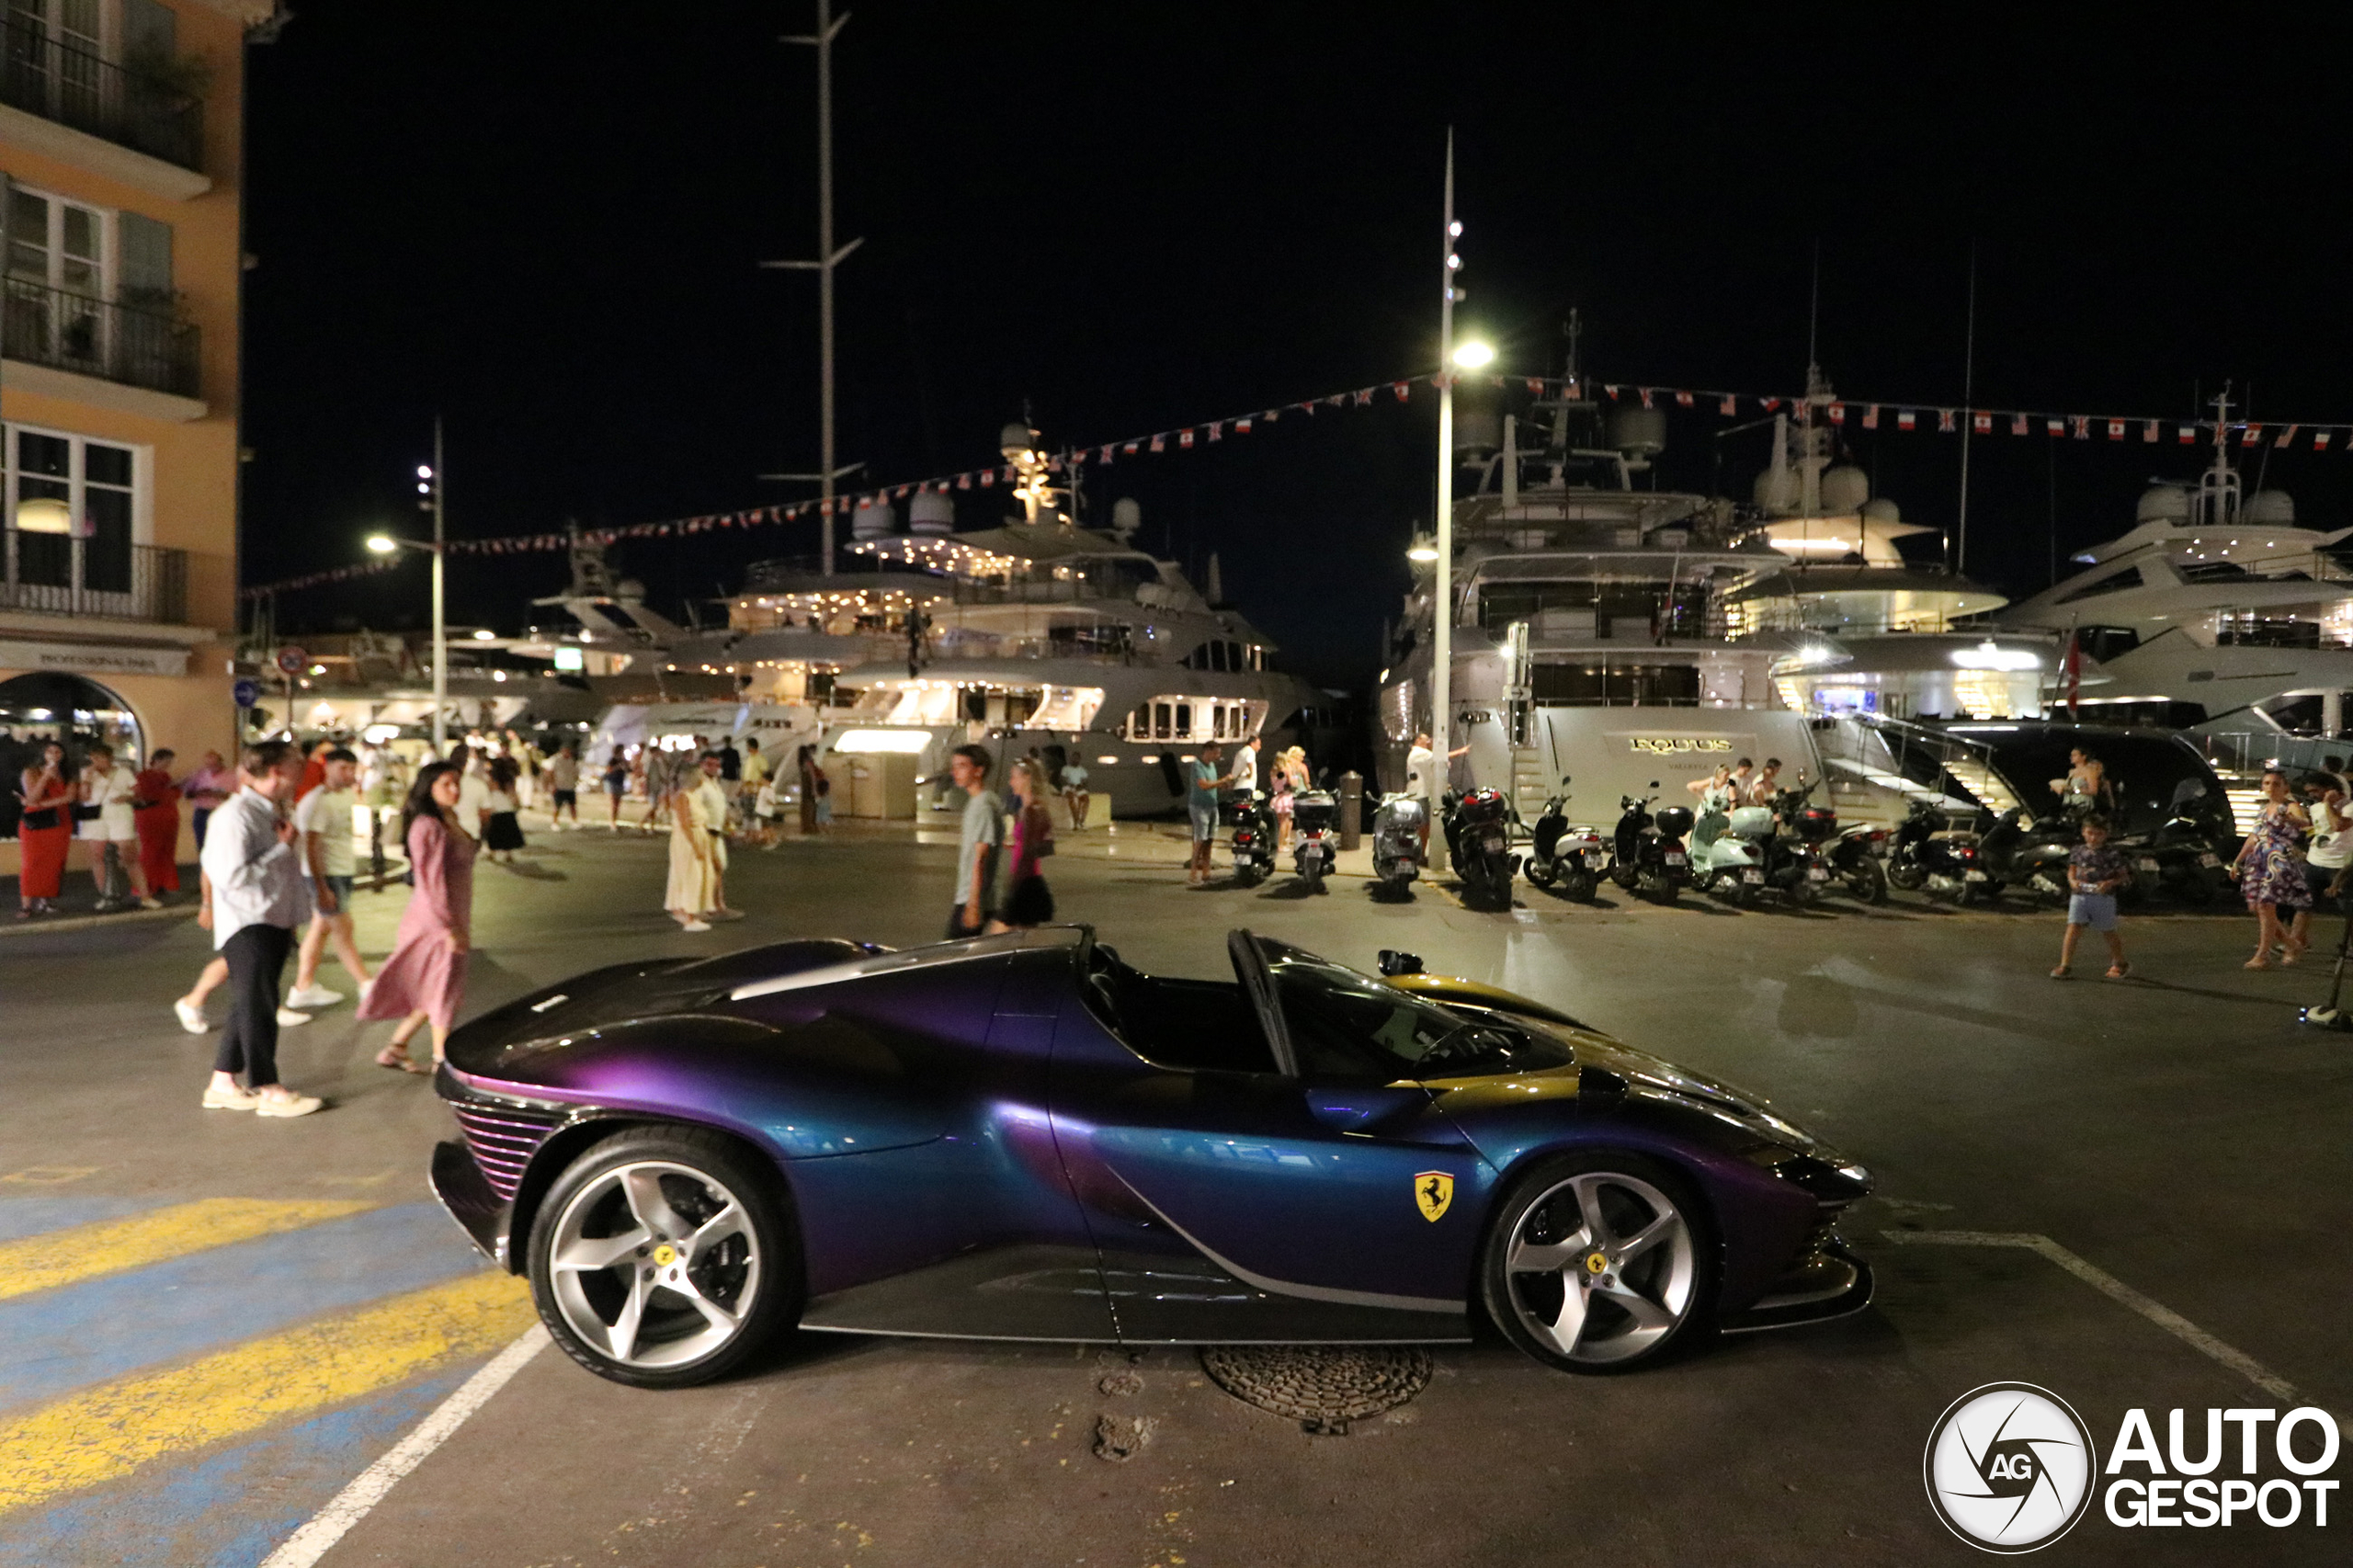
503, 1140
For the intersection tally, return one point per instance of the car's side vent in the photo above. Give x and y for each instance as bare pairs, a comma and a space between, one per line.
503, 1141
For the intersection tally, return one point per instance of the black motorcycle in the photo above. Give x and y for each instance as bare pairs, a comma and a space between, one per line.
1648, 848
1575, 857
1795, 865
1254, 836
2188, 863
1925, 853
1314, 835
1478, 841
2033, 859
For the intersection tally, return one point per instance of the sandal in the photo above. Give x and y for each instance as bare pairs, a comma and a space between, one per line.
2119, 971
397, 1058
2062, 973
2258, 961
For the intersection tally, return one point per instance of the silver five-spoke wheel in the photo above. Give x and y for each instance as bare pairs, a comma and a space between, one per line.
1595, 1270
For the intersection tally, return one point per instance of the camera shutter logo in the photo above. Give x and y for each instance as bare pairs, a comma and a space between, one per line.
2009, 1467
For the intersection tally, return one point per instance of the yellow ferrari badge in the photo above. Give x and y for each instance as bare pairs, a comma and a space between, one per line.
1597, 1263
665, 1255
1433, 1190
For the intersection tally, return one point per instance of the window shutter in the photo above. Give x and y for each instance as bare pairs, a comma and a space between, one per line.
146, 249
148, 38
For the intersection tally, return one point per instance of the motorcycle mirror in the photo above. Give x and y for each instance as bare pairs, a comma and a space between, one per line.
1564, 781
1654, 783
1394, 962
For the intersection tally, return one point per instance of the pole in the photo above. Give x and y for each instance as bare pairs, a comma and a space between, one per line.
825, 260
1442, 617
440, 622
1969, 413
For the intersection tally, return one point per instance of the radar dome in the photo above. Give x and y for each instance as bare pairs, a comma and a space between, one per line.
1880, 509
2269, 507
931, 513
1845, 489
2163, 504
1642, 431
1478, 432
1015, 437
628, 588
1776, 491
1127, 517
873, 518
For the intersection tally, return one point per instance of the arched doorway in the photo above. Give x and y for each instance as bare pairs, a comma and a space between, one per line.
38, 708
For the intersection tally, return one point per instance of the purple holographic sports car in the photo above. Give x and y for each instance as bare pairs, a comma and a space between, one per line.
1022, 1137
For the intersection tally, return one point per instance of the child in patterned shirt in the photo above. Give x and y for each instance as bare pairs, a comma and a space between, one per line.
2095, 871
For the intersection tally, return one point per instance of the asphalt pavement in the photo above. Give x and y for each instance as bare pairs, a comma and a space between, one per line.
2132, 1193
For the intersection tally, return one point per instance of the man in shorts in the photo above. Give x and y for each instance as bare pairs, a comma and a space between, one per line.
1074, 795
329, 861
1201, 786
563, 784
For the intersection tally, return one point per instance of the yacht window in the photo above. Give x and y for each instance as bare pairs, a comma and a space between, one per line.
2127, 578
1164, 721
1184, 721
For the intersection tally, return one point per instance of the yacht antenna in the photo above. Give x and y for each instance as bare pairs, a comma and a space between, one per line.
1575, 330
1814, 316
828, 257
1968, 397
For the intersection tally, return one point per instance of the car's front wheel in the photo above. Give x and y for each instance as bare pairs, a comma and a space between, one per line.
1599, 1262
663, 1258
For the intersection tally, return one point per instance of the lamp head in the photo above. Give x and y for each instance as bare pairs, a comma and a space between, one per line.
1474, 354
382, 544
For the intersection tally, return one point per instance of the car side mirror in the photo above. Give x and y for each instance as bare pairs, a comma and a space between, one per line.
1394, 962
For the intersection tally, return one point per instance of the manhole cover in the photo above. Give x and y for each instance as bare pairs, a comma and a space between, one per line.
1325, 1386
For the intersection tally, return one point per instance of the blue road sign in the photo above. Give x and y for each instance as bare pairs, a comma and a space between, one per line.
246, 692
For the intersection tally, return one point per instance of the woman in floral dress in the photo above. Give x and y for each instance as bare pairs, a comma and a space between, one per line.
2272, 877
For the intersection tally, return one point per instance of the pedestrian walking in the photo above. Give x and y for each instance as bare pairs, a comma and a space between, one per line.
2332, 843
258, 900
756, 779
2270, 877
107, 820
562, 773
692, 891
616, 786
804, 764
978, 838
1027, 899
44, 832
1291, 776
425, 979
205, 789
156, 813
331, 864
1202, 782
502, 821
2096, 868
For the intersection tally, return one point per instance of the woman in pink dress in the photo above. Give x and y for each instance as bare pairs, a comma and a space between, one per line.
426, 977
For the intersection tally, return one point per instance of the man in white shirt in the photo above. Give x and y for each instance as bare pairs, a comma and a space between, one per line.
330, 861
258, 900
113, 833
710, 808
1421, 779
1245, 766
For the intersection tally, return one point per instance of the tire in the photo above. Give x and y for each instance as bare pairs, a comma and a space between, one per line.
1727, 888
1660, 1293
1579, 885
1909, 875
1540, 874
731, 1287
1867, 882
1247, 873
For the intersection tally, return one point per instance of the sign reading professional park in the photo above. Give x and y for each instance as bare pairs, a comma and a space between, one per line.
91, 658
2011, 1467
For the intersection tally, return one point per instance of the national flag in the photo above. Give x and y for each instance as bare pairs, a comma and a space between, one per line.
1768, 404
2287, 436
1242, 426
1610, 390
2251, 436
1535, 387
1185, 437
2116, 429
1272, 415
2080, 426
2149, 431
1400, 388
988, 478
2018, 425
1646, 398
963, 481
1129, 448
1364, 398
1870, 417
1217, 429
1104, 455
1336, 399
1160, 443
827, 508
1683, 399
1053, 464
1944, 420
1905, 419
2188, 434
2320, 441
1730, 406
2054, 426
1837, 414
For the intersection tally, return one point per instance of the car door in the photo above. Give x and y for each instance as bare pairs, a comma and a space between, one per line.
1251, 1201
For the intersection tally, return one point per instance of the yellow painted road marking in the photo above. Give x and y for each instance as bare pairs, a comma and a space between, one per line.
111, 1430
86, 1252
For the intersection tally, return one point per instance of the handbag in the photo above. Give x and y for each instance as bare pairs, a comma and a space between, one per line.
86, 813
40, 821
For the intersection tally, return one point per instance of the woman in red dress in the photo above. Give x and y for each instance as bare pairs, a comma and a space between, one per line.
45, 834
426, 977
155, 803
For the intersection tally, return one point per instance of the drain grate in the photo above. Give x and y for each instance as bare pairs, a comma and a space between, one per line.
1325, 1386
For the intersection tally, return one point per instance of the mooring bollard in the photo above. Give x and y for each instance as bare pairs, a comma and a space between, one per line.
1351, 809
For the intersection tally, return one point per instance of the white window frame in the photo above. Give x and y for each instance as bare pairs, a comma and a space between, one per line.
143, 474
110, 244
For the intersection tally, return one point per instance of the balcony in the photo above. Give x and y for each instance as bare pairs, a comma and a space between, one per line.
92, 578
85, 92
130, 346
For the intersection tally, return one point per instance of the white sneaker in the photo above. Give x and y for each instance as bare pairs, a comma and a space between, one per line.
191, 1018
288, 1104
695, 926
367, 988
288, 1017
314, 996
230, 1098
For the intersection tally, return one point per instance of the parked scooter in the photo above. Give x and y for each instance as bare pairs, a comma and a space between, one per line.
2033, 859
2189, 862
1478, 842
1849, 860
1314, 835
1925, 854
1795, 865
1726, 862
1576, 858
1254, 838
1647, 848
1397, 852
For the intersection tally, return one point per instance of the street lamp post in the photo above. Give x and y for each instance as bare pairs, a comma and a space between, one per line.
429, 486
1442, 601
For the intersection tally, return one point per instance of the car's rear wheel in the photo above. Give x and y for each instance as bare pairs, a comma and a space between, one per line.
1599, 1262
664, 1257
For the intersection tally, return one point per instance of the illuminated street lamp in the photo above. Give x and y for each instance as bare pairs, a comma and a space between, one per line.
429, 486
1475, 354
1470, 356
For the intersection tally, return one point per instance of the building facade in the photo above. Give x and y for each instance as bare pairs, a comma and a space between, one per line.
120, 165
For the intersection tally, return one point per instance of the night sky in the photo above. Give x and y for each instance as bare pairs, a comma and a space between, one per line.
544, 222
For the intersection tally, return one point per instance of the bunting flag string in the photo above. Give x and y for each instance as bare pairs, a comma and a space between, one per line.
1906, 419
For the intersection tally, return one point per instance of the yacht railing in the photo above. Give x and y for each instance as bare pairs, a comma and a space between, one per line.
1913, 760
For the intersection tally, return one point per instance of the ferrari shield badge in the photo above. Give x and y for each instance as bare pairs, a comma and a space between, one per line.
1433, 1190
